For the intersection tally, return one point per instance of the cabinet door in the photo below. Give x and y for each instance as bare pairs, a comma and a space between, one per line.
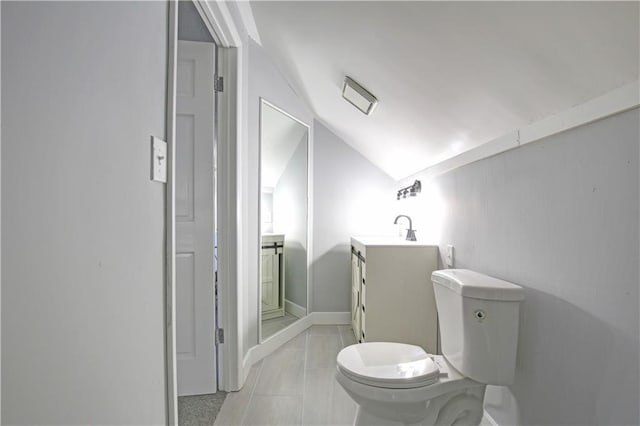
397, 297
355, 295
270, 281
363, 300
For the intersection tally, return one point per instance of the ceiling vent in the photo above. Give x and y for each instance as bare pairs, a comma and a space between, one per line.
358, 96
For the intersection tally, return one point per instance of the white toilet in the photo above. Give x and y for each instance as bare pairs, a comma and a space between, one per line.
400, 384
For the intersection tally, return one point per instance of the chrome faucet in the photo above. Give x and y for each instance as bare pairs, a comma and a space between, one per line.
411, 233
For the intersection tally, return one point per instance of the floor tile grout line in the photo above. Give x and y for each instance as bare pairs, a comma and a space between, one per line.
331, 388
253, 390
304, 373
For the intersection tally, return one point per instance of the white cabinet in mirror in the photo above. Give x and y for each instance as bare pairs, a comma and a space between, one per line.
272, 282
283, 219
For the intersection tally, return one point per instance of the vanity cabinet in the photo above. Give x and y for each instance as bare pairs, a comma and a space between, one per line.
272, 281
392, 297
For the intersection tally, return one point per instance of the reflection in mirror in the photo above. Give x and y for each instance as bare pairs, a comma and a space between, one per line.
283, 207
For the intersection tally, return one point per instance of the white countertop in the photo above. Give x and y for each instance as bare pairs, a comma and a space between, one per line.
272, 238
373, 240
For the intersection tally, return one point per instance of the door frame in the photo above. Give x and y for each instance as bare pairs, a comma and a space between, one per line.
218, 20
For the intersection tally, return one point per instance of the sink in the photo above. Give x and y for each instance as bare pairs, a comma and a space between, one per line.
381, 240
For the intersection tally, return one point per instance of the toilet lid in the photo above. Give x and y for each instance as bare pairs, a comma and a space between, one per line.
388, 365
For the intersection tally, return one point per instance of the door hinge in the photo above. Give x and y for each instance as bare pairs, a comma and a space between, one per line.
218, 84
220, 335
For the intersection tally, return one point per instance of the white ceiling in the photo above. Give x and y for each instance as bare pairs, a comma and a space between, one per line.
280, 135
449, 75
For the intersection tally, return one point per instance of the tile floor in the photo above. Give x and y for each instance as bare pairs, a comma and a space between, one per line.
272, 326
295, 385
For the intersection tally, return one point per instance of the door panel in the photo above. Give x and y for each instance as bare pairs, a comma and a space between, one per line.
185, 124
185, 302
195, 297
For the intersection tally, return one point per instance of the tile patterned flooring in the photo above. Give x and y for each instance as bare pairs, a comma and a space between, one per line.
295, 385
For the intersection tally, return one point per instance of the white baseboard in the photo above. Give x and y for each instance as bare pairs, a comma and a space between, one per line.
266, 348
273, 343
295, 309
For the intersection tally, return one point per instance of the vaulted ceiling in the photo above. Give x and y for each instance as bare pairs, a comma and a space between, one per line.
449, 75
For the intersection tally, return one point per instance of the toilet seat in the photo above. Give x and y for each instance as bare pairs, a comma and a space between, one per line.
388, 365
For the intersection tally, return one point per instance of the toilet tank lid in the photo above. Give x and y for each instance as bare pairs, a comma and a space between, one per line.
476, 285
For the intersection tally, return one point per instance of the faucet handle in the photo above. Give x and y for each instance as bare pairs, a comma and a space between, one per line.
411, 235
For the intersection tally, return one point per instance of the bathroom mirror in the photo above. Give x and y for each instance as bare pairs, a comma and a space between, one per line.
283, 219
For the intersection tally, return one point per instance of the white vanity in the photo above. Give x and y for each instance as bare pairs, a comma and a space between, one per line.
392, 297
272, 276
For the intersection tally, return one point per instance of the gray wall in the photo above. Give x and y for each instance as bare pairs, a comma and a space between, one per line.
351, 197
290, 217
190, 25
83, 89
560, 217
266, 211
264, 80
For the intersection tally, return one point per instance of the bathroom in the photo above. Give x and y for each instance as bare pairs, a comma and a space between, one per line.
525, 144
533, 208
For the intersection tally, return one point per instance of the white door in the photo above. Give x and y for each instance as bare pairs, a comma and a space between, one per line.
195, 298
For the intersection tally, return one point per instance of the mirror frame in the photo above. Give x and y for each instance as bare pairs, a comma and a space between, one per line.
262, 101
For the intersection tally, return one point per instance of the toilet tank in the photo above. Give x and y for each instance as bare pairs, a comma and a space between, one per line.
478, 317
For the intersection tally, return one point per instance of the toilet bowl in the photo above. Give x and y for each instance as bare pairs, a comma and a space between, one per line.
401, 384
